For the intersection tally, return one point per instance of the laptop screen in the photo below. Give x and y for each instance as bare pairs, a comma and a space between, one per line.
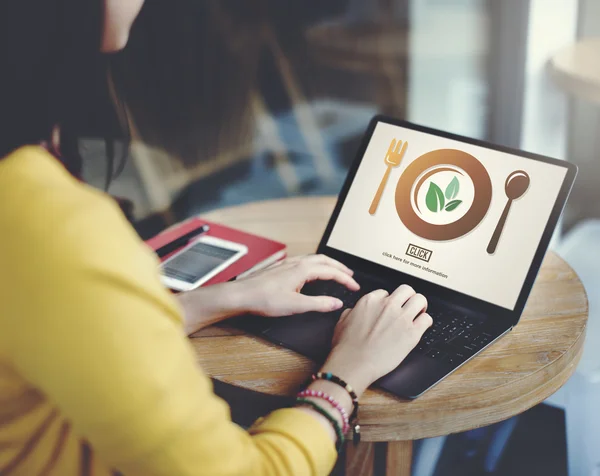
459, 215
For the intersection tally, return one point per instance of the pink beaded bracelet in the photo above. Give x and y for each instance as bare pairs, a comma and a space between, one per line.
332, 401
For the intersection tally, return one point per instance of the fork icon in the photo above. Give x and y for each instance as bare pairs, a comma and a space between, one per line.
392, 159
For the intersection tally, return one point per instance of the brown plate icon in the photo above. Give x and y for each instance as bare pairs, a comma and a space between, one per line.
410, 181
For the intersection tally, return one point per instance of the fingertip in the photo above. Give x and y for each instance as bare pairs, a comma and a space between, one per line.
336, 304
426, 319
383, 293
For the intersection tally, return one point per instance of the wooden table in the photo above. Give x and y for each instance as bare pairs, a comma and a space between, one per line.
518, 372
577, 69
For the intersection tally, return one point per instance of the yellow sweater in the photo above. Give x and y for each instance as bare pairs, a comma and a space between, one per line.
96, 374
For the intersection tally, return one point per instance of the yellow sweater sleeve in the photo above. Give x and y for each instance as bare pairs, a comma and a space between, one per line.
93, 329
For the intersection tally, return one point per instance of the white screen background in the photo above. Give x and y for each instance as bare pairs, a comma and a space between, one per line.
497, 278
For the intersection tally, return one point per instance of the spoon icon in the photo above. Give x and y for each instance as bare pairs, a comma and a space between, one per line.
515, 187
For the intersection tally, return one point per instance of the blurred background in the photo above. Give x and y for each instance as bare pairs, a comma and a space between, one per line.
303, 80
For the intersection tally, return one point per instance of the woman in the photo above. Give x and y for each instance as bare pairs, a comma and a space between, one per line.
96, 374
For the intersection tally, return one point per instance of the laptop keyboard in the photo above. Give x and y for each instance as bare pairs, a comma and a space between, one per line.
453, 337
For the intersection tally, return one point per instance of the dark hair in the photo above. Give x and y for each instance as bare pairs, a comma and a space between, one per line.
187, 92
53, 74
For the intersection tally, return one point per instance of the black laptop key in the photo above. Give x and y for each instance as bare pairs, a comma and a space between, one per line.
468, 335
445, 338
454, 358
435, 354
461, 340
471, 340
468, 347
428, 342
482, 340
485, 338
451, 335
421, 348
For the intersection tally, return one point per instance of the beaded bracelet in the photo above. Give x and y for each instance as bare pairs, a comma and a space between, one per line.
338, 381
335, 379
334, 403
336, 426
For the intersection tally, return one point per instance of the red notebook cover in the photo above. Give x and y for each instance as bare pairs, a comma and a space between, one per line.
260, 250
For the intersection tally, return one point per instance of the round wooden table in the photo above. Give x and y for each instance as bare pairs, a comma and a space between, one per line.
576, 69
518, 372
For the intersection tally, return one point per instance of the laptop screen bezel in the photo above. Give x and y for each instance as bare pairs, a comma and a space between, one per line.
394, 277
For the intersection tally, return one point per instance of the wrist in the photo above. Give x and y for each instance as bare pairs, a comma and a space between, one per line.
248, 297
236, 298
340, 395
357, 376
206, 306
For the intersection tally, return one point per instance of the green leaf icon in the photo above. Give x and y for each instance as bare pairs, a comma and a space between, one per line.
434, 198
452, 189
453, 205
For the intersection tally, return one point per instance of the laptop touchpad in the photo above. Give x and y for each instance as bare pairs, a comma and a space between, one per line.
309, 334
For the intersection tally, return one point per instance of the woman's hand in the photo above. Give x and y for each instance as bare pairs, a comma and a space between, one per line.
273, 292
276, 290
372, 339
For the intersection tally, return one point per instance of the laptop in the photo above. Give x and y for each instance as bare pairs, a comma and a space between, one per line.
464, 222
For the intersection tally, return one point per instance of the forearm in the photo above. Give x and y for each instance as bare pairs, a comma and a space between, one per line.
206, 306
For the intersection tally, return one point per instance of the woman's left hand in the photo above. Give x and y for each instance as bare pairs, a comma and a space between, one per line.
275, 291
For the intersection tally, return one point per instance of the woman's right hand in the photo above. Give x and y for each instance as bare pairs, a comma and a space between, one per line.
372, 339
